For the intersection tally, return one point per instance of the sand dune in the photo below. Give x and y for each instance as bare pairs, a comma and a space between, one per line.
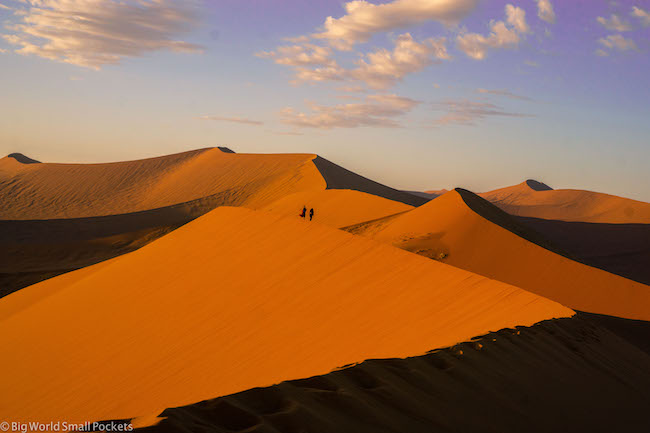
562, 375
535, 199
338, 208
338, 177
45, 191
233, 300
448, 229
623, 249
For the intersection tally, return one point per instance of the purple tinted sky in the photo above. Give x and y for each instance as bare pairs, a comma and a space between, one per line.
586, 116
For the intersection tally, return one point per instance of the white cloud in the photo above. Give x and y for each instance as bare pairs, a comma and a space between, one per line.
310, 62
379, 69
233, 119
93, 33
502, 35
503, 92
384, 68
615, 23
642, 14
545, 11
617, 42
376, 110
466, 112
364, 19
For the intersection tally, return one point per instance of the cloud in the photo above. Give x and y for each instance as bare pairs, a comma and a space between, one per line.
2, 6
545, 11
233, 119
642, 14
502, 35
376, 110
364, 19
384, 68
616, 42
94, 33
379, 69
503, 92
615, 23
466, 112
310, 62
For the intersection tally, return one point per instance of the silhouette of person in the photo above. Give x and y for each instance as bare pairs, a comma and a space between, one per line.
304, 211
311, 214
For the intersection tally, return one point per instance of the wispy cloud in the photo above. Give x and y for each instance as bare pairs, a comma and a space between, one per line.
363, 19
233, 119
545, 11
503, 92
506, 34
379, 69
642, 15
376, 110
467, 112
615, 43
94, 33
615, 23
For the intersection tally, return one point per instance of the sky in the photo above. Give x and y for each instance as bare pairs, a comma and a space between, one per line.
416, 94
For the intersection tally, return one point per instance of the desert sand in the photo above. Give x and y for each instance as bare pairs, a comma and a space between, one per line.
234, 300
449, 230
538, 200
563, 375
46, 191
338, 207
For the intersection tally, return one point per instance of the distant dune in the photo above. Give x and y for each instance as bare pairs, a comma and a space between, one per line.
234, 300
493, 244
535, 199
338, 177
45, 191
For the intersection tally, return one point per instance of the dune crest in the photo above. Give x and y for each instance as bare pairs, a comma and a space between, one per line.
537, 200
46, 191
448, 229
265, 298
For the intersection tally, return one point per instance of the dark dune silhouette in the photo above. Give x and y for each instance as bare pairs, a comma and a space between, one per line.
23, 159
538, 186
565, 374
226, 149
622, 249
427, 195
338, 177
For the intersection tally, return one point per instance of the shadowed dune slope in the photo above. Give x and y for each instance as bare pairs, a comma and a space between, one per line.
623, 249
34, 250
233, 300
338, 177
46, 191
448, 229
564, 375
338, 208
535, 199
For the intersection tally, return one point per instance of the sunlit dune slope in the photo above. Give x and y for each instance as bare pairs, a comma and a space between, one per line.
233, 300
447, 229
45, 191
338, 208
535, 199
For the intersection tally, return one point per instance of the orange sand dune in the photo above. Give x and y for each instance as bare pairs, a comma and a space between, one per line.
233, 300
535, 199
447, 229
46, 191
338, 208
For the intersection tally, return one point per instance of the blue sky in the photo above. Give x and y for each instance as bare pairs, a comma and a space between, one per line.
479, 94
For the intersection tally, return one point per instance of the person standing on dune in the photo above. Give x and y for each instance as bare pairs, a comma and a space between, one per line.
304, 211
311, 214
